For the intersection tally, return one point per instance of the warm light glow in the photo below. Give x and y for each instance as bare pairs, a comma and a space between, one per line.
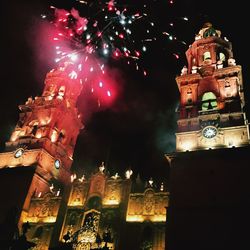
14, 136
233, 141
141, 218
48, 219
134, 218
111, 202
75, 203
38, 134
187, 145
162, 187
54, 136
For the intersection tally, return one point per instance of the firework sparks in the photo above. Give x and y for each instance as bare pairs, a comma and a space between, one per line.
101, 31
107, 34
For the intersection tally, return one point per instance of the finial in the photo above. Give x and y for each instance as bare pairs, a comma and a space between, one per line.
51, 188
102, 167
151, 182
73, 177
128, 173
184, 70
231, 62
82, 178
115, 177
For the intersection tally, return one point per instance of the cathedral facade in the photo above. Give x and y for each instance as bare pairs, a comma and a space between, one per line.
99, 212
116, 212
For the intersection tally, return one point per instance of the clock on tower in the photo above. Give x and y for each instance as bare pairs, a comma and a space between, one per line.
211, 96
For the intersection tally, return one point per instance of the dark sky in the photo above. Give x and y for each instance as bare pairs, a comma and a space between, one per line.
139, 128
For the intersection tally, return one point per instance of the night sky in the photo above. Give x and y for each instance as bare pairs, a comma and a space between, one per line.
140, 126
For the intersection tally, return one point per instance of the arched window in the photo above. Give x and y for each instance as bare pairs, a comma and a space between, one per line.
210, 32
189, 96
95, 202
147, 238
206, 56
209, 101
61, 136
222, 57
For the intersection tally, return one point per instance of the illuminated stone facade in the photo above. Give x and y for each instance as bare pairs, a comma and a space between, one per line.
211, 96
112, 203
62, 208
147, 206
209, 187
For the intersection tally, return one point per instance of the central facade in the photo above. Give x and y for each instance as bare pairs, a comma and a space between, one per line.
98, 212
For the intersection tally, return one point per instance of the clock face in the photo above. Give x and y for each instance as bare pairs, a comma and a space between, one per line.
57, 164
209, 132
19, 152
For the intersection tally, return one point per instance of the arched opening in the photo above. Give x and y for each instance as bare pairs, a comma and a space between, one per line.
211, 31
38, 233
147, 238
95, 202
88, 233
222, 57
206, 56
61, 91
189, 96
209, 101
61, 136
34, 126
72, 219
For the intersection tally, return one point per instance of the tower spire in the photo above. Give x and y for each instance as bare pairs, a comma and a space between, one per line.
46, 133
211, 95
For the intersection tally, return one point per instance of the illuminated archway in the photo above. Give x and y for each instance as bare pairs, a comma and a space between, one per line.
209, 101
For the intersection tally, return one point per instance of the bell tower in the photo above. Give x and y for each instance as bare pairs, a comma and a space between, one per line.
211, 113
46, 133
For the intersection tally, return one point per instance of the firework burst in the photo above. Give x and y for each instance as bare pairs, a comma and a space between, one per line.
96, 32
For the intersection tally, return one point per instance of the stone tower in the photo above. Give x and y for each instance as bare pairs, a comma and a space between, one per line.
44, 138
209, 175
211, 96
